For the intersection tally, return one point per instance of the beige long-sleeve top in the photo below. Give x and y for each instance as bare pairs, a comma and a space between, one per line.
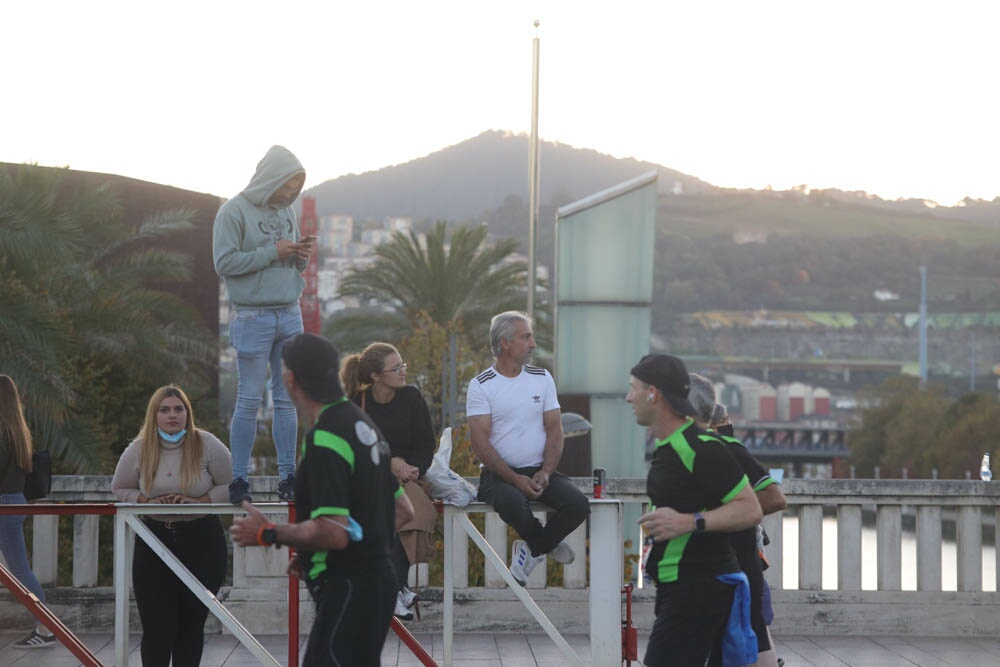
216, 472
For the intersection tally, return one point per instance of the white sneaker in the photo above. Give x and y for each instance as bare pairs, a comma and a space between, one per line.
562, 554
408, 597
522, 562
402, 612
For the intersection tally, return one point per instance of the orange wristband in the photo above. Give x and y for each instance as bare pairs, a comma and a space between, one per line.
260, 534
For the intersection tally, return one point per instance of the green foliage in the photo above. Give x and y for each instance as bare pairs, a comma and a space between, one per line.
82, 332
921, 430
462, 279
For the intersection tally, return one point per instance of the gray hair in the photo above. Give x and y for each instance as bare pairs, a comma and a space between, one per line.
502, 328
702, 397
719, 415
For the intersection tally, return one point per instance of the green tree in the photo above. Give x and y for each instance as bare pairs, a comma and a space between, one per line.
923, 430
463, 280
82, 331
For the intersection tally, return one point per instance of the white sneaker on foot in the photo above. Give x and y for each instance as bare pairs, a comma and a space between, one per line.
522, 562
562, 554
408, 597
401, 611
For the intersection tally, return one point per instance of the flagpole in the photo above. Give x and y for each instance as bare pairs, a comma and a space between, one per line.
533, 179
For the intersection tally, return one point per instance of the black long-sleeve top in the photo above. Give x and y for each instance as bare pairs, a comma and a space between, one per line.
13, 480
405, 421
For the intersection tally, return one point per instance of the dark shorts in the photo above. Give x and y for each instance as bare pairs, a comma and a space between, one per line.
353, 611
690, 619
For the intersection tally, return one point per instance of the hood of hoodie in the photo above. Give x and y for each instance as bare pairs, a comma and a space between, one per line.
273, 171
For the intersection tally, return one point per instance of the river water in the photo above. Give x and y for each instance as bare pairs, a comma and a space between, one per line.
869, 558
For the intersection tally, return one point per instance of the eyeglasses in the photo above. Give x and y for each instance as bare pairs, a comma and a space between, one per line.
398, 368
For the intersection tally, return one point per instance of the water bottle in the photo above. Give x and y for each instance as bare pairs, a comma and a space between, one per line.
985, 473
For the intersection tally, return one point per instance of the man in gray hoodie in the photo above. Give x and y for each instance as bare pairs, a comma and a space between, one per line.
258, 252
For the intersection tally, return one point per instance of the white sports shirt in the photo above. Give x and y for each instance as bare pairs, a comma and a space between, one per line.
515, 406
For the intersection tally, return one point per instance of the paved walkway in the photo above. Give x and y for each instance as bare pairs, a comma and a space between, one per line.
537, 650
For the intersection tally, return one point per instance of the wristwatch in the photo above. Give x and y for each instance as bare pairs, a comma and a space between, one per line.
699, 523
267, 536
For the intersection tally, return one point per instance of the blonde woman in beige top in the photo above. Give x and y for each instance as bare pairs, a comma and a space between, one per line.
173, 462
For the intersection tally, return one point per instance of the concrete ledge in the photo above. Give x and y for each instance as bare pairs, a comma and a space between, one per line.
886, 613
827, 613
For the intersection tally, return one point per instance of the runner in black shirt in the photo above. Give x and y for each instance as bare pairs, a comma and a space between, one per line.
348, 507
744, 542
699, 493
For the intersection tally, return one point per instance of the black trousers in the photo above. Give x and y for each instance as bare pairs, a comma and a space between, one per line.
353, 610
401, 562
173, 619
571, 508
690, 620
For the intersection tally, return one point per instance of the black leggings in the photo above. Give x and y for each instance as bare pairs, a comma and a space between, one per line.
353, 611
173, 619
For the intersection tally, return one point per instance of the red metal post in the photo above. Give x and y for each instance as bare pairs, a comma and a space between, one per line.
309, 226
293, 601
32, 603
411, 642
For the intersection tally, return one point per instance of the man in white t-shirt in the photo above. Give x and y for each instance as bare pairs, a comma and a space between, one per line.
516, 430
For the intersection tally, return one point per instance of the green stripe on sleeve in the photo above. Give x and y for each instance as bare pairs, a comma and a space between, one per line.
736, 489
329, 511
764, 483
336, 444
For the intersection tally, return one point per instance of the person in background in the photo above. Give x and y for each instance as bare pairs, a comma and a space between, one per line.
375, 379
15, 461
515, 426
173, 462
700, 495
349, 507
258, 252
771, 499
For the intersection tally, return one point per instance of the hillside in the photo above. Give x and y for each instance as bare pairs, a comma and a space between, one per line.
460, 182
716, 247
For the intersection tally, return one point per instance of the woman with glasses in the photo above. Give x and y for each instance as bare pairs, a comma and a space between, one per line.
375, 379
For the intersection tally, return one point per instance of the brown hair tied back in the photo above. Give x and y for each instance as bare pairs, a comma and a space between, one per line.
356, 369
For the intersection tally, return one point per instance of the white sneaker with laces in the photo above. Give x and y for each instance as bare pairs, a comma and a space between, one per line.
401, 611
522, 562
408, 597
562, 554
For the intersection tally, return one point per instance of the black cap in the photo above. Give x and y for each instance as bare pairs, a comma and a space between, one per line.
668, 374
315, 363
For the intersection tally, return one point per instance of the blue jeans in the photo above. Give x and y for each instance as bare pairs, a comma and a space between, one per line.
12, 544
258, 336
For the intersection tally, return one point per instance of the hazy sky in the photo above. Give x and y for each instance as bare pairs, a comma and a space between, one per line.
896, 98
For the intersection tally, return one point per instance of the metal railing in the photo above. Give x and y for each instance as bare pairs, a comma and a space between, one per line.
924, 511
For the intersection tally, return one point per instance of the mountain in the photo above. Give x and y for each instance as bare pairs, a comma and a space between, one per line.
462, 181
799, 249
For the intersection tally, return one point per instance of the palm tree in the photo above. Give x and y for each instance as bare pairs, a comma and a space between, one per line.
464, 281
81, 331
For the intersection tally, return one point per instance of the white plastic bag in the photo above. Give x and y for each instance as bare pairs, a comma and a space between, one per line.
446, 484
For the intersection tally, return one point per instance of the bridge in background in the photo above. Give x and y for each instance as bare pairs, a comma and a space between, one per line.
781, 442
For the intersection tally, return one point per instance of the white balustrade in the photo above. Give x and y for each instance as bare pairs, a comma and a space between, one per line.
924, 509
